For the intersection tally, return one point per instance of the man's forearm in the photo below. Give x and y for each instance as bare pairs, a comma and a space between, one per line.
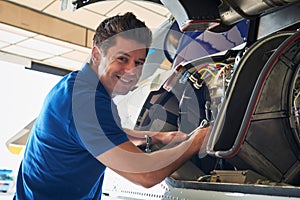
138, 137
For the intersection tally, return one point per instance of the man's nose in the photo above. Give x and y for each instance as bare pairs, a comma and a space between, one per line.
130, 66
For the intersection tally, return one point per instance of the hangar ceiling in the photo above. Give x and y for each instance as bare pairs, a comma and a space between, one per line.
42, 32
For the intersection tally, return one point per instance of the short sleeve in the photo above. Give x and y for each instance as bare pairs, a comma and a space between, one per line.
96, 119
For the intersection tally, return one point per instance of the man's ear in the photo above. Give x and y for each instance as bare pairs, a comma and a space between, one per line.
96, 55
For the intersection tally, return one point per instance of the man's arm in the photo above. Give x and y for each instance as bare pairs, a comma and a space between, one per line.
138, 137
150, 169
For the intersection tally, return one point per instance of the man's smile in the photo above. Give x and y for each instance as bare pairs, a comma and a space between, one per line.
125, 79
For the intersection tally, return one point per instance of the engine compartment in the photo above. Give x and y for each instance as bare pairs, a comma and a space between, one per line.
255, 137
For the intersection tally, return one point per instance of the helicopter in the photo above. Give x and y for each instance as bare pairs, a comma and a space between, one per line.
232, 65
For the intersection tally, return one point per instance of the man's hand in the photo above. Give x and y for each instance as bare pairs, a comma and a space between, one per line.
200, 139
148, 169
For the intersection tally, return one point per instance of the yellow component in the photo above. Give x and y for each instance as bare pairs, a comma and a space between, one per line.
17, 143
15, 148
206, 70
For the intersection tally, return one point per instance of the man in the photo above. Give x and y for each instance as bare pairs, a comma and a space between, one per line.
78, 132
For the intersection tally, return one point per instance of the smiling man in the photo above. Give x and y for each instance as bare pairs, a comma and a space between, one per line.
121, 67
78, 132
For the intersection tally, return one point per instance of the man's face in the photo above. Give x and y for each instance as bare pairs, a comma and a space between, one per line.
121, 68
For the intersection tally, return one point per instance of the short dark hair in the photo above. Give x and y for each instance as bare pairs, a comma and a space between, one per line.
127, 26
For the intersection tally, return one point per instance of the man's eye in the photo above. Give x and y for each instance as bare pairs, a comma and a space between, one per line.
139, 64
122, 59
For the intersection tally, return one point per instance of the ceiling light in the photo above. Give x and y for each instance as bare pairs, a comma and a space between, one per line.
62, 43
44, 46
27, 52
9, 37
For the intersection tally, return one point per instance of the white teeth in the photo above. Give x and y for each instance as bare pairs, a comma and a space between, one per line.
125, 80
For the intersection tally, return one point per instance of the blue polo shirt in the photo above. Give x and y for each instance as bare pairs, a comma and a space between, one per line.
78, 122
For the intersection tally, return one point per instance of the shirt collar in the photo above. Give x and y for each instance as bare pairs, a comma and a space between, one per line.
88, 75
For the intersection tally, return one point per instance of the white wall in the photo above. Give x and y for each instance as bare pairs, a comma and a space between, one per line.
22, 95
